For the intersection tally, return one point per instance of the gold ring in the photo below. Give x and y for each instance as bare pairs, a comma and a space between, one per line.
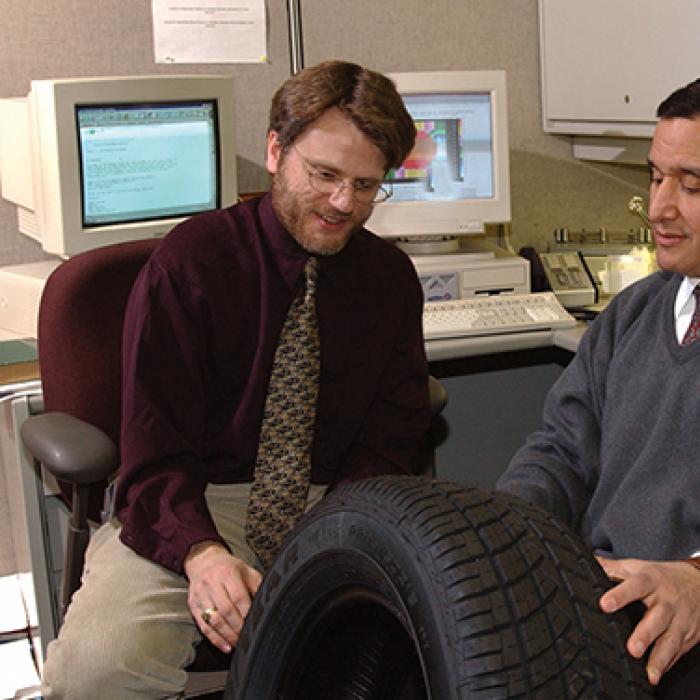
206, 615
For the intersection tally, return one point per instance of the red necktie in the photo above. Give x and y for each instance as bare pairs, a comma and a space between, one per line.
694, 328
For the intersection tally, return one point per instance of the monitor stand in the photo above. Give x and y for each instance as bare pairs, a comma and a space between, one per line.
448, 245
429, 245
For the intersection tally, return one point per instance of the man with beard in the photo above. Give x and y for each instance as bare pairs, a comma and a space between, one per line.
202, 328
617, 457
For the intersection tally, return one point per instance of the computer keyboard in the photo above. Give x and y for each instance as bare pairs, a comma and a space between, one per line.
502, 313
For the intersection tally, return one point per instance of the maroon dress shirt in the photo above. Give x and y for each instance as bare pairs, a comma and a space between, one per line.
200, 333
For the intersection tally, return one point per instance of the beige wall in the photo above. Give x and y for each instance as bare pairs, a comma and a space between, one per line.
41, 39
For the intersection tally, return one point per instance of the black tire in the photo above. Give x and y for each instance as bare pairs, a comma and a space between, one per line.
400, 588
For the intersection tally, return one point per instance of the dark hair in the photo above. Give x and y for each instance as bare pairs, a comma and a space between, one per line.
684, 103
368, 99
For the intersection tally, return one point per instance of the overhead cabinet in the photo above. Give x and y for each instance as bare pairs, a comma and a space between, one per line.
606, 64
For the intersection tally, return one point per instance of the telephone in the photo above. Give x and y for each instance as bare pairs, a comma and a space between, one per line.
564, 273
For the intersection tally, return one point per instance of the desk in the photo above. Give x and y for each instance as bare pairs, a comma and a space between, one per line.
497, 387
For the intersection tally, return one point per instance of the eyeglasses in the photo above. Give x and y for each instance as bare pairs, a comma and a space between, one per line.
325, 181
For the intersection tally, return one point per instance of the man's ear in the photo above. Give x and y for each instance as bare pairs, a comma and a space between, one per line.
274, 151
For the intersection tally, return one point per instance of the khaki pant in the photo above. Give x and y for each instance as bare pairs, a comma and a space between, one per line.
128, 632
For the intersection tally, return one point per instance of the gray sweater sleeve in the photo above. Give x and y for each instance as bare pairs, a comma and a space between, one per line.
559, 466
556, 467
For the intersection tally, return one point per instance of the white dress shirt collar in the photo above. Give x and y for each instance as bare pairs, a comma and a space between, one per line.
685, 305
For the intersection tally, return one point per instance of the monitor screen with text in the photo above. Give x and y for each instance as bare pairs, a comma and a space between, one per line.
147, 161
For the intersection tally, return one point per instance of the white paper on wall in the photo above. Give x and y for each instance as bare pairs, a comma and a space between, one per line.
209, 31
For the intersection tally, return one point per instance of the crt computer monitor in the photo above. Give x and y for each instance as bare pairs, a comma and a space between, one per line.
95, 161
456, 178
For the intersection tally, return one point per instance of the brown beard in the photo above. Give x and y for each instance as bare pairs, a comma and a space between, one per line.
288, 205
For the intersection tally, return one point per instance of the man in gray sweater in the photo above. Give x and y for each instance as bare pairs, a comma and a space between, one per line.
618, 456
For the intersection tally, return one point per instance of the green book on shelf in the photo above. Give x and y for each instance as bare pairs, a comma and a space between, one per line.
16, 351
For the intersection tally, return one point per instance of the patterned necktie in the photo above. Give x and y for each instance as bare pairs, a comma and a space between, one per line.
283, 464
691, 334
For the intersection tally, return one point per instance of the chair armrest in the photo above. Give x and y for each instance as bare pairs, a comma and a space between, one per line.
69, 448
438, 395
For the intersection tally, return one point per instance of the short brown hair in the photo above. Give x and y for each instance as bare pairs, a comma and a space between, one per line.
367, 98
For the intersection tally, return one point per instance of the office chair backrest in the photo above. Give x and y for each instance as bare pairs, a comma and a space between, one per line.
80, 330
79, 339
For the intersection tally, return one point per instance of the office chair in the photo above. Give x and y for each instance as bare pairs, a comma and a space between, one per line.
75, 434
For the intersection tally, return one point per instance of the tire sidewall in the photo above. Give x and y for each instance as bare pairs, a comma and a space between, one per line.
345, 546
